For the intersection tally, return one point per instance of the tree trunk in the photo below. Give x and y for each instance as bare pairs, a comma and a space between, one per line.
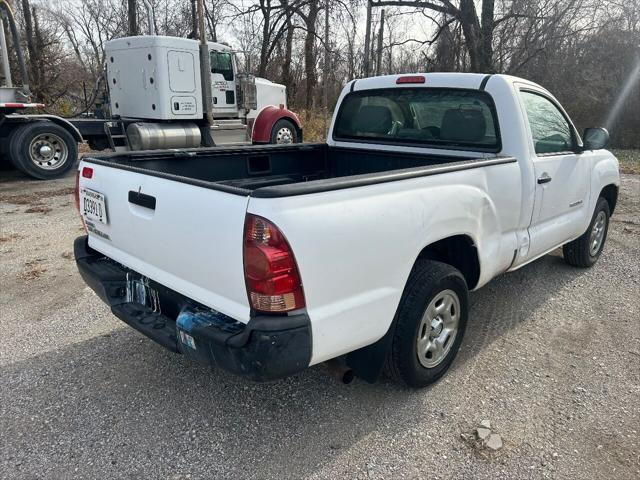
309, 53
132, 16
326, 65
351, 59
379, 48
487, 35
38, 62
479, 39
31, 47
194, 21
471, 30
367, 40
447, 50
265, 7
288, 49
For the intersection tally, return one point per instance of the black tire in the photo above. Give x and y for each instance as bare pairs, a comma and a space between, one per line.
98, 144
280, 126
579, 252
428, 280
59, 140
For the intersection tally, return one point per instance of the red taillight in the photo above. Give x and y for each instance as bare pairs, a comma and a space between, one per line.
270, 271
411, 79
87, 172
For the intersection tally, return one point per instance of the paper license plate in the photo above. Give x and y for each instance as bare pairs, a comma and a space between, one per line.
93, 205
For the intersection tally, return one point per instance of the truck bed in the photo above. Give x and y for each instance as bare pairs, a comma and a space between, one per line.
285, 170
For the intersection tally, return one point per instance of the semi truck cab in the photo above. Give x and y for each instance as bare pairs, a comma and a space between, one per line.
156, 96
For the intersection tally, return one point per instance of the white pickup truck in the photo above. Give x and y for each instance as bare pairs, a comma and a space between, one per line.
264, 260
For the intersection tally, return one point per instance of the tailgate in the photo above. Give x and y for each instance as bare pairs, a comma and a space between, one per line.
190, 242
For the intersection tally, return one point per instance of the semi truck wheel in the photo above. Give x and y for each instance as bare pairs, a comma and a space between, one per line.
42, 150
585, 250
284, 132
430, 323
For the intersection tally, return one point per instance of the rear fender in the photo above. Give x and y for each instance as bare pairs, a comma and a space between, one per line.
67, 125
267, 118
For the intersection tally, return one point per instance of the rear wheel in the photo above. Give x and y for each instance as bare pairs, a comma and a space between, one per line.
284, 132
43, 150
430, 324
585, 250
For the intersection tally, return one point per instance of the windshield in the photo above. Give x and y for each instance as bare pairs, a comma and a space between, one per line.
221, 63
436, 117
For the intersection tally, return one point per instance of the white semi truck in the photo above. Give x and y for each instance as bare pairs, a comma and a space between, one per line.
157, 101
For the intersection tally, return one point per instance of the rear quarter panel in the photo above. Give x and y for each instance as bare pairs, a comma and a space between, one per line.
355, 247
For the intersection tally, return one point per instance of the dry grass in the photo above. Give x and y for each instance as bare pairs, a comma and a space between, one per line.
629, 161
314, 127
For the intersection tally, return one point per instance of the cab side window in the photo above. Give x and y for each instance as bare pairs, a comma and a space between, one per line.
550, 129
221, 63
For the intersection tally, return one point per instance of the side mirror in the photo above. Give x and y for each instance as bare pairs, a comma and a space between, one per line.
595, 138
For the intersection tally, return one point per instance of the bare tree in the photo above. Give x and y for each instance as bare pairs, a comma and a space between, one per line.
132, 17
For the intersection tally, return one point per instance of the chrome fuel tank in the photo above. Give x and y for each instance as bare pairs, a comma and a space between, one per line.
155, 136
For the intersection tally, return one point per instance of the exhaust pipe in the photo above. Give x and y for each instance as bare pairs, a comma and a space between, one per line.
7, 14
151, 18
340, 371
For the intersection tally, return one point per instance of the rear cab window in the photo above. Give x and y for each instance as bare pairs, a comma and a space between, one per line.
434, 117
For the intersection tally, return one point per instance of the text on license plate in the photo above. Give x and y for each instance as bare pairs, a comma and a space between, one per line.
93, 205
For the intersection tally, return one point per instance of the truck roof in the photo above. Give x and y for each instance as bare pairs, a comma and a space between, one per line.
146, 41
437, 79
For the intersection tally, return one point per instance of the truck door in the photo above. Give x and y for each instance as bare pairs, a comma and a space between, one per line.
561, 174
223, 84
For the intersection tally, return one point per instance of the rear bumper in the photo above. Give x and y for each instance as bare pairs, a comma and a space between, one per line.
266, 348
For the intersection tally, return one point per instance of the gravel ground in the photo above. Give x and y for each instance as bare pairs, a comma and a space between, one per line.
551, 358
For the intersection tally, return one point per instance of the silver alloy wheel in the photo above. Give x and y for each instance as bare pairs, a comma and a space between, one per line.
284, 135
597, 233
438, 328
48, 151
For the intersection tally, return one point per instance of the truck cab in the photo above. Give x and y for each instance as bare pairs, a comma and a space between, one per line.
156, 96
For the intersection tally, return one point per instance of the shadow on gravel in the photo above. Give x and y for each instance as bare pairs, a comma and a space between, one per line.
512, 299
119, 403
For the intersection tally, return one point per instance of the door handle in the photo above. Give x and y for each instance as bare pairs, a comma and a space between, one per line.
142, 199
544, 178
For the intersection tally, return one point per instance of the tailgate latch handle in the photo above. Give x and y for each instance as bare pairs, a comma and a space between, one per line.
142, 199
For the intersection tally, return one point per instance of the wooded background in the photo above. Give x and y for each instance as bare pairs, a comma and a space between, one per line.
586, 52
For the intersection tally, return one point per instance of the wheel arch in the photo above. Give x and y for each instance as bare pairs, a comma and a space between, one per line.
610, 194
460, 252
67, 125
267, 118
